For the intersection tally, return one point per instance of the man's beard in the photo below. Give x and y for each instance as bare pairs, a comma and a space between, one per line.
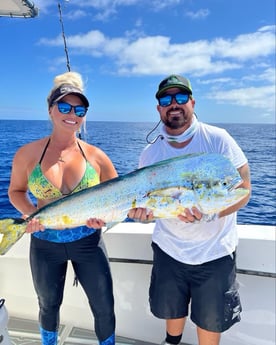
175, 122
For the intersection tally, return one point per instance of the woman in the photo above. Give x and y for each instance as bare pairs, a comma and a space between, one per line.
51, 168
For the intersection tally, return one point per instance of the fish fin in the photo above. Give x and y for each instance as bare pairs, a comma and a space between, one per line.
11, 229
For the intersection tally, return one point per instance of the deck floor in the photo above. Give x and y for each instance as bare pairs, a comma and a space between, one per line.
25, 332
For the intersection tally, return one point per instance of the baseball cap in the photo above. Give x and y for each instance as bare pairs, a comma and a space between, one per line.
174, 81
66, 89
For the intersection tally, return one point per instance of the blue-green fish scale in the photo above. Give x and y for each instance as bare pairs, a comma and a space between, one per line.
168, 187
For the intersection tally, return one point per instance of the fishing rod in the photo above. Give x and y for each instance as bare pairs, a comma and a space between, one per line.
65, 48
64, 37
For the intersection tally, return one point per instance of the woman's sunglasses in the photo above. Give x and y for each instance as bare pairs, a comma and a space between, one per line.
180, 98
65, 108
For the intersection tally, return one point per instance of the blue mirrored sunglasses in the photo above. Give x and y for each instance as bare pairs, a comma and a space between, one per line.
65, 108
180, 98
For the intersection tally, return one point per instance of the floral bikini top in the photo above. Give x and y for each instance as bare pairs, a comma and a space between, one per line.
41, 188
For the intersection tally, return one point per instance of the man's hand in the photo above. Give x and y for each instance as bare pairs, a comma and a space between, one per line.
190, 215
193, 215
141, 214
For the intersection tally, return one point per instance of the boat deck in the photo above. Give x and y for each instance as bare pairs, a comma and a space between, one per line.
25, 332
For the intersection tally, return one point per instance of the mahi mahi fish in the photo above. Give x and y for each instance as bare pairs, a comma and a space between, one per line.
207, 181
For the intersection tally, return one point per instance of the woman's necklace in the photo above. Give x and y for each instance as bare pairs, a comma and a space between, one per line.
60, 159
68, 151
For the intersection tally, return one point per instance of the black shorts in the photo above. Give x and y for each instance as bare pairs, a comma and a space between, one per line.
211, 288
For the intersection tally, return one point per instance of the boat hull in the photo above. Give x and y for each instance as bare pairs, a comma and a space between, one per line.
131, 269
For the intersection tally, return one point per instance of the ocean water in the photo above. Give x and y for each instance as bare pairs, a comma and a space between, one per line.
123, 142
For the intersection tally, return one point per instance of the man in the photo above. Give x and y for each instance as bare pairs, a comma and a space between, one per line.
194, 255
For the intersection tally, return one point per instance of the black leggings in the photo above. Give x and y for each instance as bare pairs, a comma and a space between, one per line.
49, 264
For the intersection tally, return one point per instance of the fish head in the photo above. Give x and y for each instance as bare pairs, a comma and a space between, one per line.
214, 196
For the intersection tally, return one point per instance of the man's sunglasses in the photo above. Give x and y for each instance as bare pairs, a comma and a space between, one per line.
180, 98
65, 108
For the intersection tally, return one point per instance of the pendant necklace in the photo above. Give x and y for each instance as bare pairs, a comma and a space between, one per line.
61, 157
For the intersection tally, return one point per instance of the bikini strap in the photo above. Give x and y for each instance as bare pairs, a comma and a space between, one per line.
81, 150
44, 151
46, 146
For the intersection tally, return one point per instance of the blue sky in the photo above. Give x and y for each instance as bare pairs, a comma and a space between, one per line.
124, 48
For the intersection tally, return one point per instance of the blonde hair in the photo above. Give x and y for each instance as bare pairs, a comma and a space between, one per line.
68, 78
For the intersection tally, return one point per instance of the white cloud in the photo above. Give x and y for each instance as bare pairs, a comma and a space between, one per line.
268, 75
151, 55
75, 15
246, 46
252, 55
202, 13
107, 8
103, 4
156, 54
158, 5
254, 97
262, 74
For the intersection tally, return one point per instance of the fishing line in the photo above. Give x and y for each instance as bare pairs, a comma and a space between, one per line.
156, 138
160, 135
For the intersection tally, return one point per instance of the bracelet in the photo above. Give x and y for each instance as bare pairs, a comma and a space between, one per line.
209, 217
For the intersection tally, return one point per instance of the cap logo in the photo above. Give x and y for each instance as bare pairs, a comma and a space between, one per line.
173, 80
66, 88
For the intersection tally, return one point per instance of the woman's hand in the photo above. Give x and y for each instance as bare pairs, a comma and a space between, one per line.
140, 214
95, 223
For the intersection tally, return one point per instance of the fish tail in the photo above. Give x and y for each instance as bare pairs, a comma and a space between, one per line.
11, 230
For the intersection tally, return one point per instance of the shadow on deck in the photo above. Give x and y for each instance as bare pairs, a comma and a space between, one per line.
26, 332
